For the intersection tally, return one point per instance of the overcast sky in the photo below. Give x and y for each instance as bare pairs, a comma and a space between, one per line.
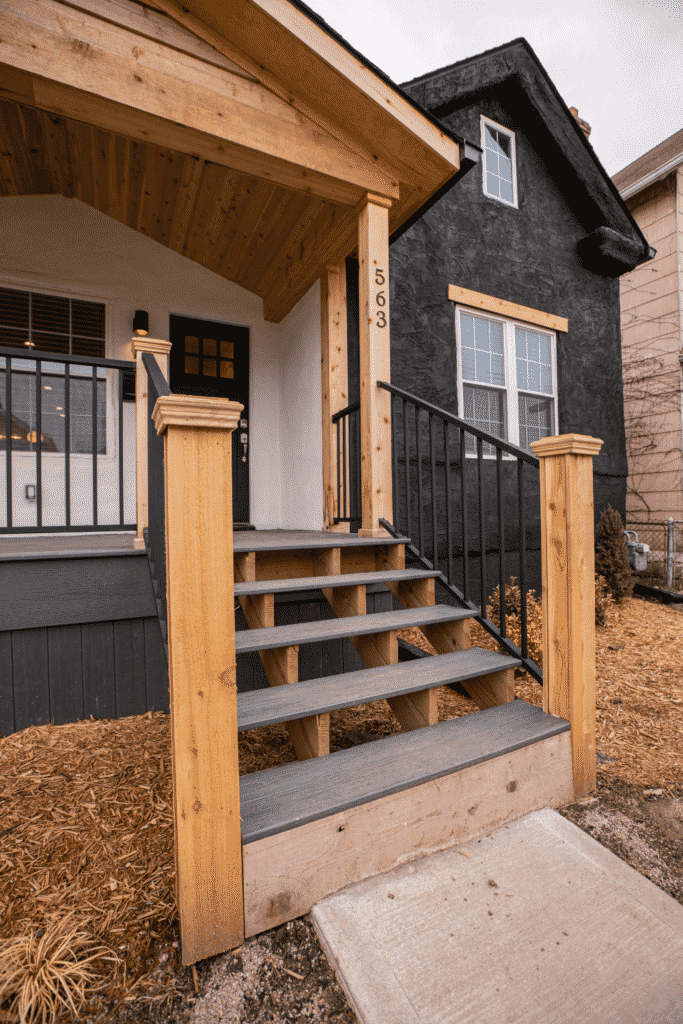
619, 61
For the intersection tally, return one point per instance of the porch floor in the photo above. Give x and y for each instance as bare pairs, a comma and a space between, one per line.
66, 545
292, 540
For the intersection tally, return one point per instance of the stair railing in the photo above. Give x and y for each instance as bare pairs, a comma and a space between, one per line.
347, 423
469, 501
155, 534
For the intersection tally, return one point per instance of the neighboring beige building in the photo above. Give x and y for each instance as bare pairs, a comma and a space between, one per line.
652, 335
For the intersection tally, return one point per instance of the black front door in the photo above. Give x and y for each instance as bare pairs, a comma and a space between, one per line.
213, 359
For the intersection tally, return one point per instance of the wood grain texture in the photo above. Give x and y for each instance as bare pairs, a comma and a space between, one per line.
477, 300
159, 349
200, 597
375, 364
568, 567
334, 376
287, 873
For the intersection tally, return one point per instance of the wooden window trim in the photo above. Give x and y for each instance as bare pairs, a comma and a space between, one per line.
477, 300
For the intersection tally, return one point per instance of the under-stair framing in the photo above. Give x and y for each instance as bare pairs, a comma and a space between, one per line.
329, 819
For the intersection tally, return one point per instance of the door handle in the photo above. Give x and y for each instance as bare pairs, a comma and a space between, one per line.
244, 441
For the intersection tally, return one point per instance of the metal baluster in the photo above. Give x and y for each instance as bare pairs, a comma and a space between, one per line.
120, 403
432, 466
394, 462
39, 443
67, 444
345, 428
406, 468
339, 508
465, 529
449, 511
93, 437
522, 555
501, 538
482, 523
8, 437
359, 483
420, 503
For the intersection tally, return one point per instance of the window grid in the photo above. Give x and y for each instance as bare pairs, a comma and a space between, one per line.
499, 164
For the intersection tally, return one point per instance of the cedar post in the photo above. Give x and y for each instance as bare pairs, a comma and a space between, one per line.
568, 565
334, 381
203, 690
160, 350
375, 364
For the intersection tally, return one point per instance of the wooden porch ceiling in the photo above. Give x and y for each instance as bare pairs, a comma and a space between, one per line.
159, 120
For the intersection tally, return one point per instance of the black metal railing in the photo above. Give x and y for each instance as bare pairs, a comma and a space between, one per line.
62, 437
470, 503
347, 422
155, 534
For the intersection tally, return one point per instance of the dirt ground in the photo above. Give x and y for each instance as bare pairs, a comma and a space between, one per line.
283, 975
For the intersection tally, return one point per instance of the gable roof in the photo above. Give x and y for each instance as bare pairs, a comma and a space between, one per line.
515, 73
651, 166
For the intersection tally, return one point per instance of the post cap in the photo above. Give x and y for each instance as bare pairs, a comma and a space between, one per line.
566, 444
154, 345
195, 411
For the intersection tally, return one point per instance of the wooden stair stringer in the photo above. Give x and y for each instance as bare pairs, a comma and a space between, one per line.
486, 691
309, 736
414, 710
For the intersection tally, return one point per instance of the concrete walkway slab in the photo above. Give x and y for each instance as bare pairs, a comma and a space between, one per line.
535, 923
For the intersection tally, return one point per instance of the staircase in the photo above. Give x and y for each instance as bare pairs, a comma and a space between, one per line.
312, 827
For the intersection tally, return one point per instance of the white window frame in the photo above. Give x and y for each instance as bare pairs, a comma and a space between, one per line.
510, 390
513, 157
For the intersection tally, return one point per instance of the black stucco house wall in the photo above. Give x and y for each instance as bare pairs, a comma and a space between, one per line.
560, 251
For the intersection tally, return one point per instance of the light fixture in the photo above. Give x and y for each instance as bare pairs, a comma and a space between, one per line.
48, 387
141, 322
59, 407
29, 344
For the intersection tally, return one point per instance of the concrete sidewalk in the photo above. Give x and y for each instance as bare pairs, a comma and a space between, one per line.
536, 922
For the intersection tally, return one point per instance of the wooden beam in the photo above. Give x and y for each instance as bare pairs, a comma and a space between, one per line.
160, 351
254, 130
375, 404
568, 568
203, 688
286, 874
477, 300
334, 380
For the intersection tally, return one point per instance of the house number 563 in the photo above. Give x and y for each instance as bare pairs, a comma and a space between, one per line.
380, 298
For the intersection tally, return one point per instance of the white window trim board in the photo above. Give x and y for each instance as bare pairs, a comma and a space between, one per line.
513, 156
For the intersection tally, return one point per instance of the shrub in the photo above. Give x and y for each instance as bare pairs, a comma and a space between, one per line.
611, 556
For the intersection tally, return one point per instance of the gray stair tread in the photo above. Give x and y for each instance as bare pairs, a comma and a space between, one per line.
291, 635
320, 582
292, 540
297, 700
283, 798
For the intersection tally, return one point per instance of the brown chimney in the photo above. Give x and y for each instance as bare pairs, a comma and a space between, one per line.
583, 125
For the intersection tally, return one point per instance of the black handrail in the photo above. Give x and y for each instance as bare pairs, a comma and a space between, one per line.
347, 422
41, 443
461, 495
155, 535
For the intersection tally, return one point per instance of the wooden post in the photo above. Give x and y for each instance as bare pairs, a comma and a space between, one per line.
375, 364
334, 381
160, 350
568, 565
203, 689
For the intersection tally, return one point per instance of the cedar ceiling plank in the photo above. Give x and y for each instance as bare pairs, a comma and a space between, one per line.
291, 207
37, 146
163, 195
121, 169
248, 221
17, 175
189, 174
244, 185
261, 235
196, 246
58, 155
271, 263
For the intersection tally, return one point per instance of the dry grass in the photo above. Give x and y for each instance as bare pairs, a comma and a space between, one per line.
87, 835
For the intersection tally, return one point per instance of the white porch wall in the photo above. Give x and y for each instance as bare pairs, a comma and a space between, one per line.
50, 243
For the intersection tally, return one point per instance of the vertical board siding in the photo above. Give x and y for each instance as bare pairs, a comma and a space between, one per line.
129, 658
99, 674
30, 676
65, 673
6, 691
156, 670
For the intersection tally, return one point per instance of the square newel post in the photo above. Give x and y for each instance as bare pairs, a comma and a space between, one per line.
568, 566
160, 349
334, 381
202, 676
375, 364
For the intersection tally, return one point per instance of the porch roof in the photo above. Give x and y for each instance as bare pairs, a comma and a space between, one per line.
240, 135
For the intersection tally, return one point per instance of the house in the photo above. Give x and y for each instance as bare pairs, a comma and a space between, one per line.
200, 174
652, 335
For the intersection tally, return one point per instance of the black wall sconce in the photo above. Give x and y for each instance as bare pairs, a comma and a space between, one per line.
141, 322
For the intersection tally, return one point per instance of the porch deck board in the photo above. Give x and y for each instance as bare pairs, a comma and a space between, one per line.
279, 799
27, 546
292, 540
320, 582
352, 625
330, 693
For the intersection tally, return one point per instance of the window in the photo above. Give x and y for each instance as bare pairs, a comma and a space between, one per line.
506, 378
52, 323
498, 166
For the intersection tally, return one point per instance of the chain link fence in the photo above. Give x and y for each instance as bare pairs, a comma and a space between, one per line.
665, 557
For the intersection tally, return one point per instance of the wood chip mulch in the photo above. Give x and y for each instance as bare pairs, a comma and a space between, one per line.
87, 827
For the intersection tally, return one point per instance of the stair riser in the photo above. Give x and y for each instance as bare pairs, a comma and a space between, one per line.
286, 874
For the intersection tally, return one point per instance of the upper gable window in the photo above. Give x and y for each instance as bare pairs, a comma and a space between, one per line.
498, 166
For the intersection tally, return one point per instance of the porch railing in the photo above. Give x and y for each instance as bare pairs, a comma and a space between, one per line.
156, 528
347, 423
66, 440
470, 502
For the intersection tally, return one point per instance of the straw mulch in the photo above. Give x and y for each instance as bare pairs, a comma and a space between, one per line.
87, 830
